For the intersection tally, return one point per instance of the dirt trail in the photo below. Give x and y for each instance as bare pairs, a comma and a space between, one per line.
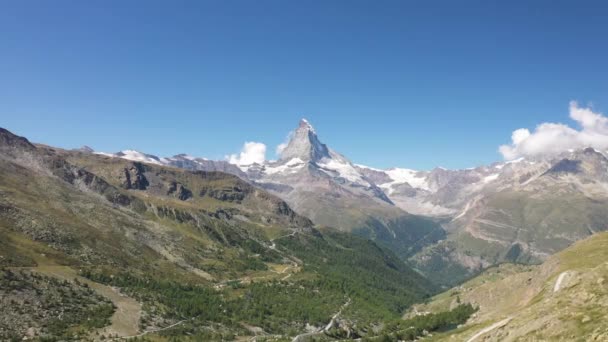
490, 328
125, 321
149, 331
319, 331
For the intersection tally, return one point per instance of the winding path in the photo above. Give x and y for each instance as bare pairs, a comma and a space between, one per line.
148, 332
490, 328
329, 325
124, 321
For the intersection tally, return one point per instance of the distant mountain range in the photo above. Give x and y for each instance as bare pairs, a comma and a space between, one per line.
448, 223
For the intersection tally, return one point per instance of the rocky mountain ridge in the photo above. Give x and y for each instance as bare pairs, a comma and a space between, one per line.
203, 251
520, 210
325, 186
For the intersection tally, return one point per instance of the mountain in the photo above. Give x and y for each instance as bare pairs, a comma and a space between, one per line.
563, 299
517, 211
201, 164
132, 155
449, 224
95, 246
324, 186
181, 235
520, 211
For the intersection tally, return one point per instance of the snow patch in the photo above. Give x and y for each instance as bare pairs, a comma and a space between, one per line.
307, 124
135, 156
344, 170
491, 178
412, 177
558, 282
138, 156
515, 161
368, 167
293, 165
105, 154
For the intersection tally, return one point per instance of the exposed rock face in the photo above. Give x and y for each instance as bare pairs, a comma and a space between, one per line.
72, 182
374, 175
226, 194
520, 211
85, 149
134, 177
10, 140
565, 166
325, 186
99, 185
316, 182
305, 145
178, 190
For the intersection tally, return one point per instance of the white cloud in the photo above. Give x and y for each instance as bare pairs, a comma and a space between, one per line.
280, 148
284, 144
252, 152
552, 138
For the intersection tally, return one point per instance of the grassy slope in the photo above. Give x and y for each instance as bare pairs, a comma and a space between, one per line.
526, 296
210, 245
38, 305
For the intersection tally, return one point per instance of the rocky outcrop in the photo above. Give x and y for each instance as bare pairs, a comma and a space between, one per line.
565, 166
134, 177
179, 191
227, 194
85, 149
9, 140
80, 176
305, 145
181, 216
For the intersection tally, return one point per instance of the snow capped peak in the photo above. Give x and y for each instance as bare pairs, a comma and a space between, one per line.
138, 156
304, 144
184, 156
306, 125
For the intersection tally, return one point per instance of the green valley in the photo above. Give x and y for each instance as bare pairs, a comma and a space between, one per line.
191, 254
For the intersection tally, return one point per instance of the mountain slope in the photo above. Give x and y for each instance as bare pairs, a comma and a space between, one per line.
564, 299
325, 186
522, 210
199, 250
528, 211
450, 224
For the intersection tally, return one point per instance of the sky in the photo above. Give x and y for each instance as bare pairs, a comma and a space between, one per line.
414, 84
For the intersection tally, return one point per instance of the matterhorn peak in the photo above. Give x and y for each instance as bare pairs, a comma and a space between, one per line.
306, 125
304, 144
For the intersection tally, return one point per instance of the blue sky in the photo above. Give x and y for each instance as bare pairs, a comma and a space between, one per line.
387, 83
